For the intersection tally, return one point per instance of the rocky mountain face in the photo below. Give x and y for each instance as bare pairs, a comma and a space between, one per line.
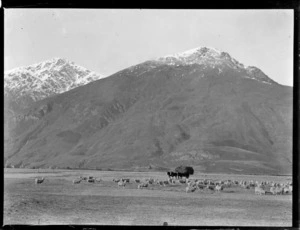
201, 107
25, 85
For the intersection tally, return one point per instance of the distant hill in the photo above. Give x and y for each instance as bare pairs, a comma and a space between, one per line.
201, 108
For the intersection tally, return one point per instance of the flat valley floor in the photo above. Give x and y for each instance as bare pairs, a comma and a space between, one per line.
57, 201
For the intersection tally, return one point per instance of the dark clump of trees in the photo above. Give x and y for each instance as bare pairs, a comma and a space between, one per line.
185, 170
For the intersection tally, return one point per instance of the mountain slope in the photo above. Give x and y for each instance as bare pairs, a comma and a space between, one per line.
209, 114
25, 85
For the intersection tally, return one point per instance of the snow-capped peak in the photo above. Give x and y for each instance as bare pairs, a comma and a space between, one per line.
45, 79
213, 58
202, 49
200, 55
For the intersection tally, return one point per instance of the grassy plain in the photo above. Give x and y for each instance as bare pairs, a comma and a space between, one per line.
59, 201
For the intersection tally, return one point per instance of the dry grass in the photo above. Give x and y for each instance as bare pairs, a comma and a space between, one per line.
58, 201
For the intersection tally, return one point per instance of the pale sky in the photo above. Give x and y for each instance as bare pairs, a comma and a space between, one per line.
109, 40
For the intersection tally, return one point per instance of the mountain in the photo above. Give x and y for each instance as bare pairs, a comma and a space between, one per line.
25, 85
200, 107
210, 57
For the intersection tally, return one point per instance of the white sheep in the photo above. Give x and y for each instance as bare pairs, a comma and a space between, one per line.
219, 188
39, 180
259, 190
190, 189
142, 185
121, 183
98, 180
76, 181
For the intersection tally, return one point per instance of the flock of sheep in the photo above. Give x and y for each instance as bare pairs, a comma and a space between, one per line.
260, 188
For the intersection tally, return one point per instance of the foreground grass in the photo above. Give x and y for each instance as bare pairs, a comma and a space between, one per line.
58, 201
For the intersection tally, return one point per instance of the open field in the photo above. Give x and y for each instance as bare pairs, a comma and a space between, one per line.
59, 201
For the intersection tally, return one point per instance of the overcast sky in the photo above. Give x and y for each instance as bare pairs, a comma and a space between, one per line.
107, 41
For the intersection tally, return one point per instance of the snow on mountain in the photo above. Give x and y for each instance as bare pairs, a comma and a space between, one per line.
208, 56
201, 55
257, 74
41, 80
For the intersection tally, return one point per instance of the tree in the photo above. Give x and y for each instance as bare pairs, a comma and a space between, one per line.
185, 169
